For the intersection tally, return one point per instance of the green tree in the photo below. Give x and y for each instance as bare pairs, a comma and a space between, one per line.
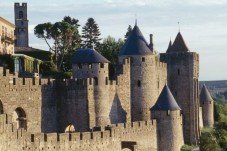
75, 43
110, 48
90, 34
65, 37
221, 135
128, 32
208, 142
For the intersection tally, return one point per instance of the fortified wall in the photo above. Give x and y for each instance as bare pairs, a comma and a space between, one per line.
29, 101
135, 136
79, 105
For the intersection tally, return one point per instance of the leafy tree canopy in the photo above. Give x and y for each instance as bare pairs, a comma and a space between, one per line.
110, 48
65, 38
128, 32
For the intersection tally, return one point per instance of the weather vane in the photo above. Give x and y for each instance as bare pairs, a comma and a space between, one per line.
178, 25
135, 19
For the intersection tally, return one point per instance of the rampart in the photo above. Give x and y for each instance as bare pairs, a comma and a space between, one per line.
111, 138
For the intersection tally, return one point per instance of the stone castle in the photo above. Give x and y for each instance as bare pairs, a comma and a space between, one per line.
153, 104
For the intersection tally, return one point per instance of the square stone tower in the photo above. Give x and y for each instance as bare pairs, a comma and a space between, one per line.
21, 22
183, 73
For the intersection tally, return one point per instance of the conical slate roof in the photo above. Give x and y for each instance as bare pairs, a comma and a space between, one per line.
165, 101
179, 44
135, 44
87, 55
205, 95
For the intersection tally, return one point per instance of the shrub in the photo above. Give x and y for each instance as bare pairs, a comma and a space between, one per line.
186, 148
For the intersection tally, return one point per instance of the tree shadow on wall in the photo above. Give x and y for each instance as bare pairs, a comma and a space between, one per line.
117, 113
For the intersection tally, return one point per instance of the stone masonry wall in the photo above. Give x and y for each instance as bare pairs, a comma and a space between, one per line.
86, 103
143, 134
208, 113
169, 130
183, 73
26, 95
147, 77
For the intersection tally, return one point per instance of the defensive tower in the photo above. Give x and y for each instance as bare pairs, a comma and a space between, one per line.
207, 104
169, 121
144, 84
183, 73
21, 22
88, 63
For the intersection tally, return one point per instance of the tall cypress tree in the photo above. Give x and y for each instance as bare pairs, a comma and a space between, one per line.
90, 34
128, 32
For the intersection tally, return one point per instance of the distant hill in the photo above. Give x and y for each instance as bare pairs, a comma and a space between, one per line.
218, 89
217, 86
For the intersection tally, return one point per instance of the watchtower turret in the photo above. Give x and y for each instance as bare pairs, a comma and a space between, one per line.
144, 76
169, 121
21, 23
207, 104
88, 63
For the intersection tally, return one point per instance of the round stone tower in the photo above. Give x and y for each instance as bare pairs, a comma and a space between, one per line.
143, 80
88, 63
169, 122
207, 105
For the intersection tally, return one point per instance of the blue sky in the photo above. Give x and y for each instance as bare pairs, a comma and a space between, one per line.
203, 23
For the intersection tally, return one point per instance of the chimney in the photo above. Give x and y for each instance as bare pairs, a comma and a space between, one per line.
151, 45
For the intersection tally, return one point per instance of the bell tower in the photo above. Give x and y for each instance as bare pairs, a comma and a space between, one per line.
21, 23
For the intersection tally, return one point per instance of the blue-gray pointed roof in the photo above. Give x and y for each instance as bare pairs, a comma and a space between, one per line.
87, 55
179, 45
205, 95
165, 101
135, 44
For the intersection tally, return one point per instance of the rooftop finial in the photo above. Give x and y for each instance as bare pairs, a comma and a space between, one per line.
93, 46
135, 20
178, 26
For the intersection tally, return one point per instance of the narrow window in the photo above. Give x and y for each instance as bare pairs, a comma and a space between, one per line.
89, 66
178, 71
143, 59
106, 80
96, 80
21, 14
101, 65
79, 66
138, 83
167, 112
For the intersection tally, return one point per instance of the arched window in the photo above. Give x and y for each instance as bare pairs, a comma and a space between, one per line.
19, 116
70, 128
21, 14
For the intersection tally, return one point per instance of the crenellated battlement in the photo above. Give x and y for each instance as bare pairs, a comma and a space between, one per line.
159, 64
54, 141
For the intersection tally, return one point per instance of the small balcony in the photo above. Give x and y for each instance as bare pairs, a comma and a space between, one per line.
7, 39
